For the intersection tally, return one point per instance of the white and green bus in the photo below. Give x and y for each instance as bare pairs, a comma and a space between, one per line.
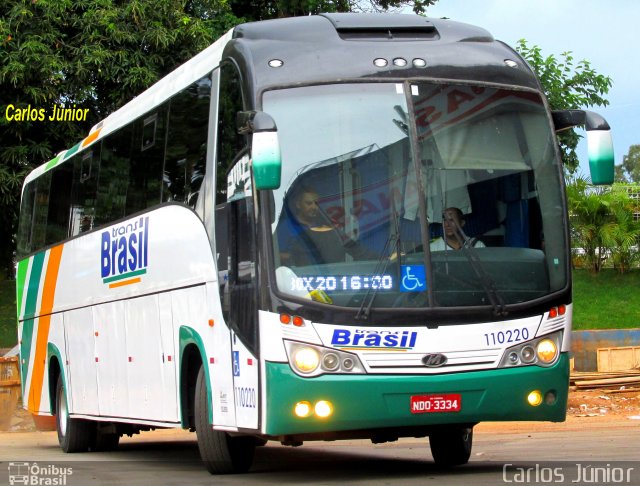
254, 248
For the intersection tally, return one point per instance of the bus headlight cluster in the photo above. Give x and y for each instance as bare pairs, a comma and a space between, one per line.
313, 360
543, 351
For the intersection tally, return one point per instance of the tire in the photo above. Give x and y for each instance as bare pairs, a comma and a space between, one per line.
451, 446
220, 453
74, 435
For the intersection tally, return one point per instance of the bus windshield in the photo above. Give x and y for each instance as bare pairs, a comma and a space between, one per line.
415, 195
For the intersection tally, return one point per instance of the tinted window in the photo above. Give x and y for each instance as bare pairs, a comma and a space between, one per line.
185, 160
86, 167
114, 176
147, 157
58, 212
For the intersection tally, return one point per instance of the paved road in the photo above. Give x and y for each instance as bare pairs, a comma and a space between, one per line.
502, 454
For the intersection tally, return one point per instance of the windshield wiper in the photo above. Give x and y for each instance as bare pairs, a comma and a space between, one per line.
488, 284
392, 244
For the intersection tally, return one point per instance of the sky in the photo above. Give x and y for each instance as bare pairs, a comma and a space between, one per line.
606, 33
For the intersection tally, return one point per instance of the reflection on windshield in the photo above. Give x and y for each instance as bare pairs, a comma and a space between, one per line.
348, 224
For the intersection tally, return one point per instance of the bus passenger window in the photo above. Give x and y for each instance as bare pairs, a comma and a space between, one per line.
145, 177
185, 160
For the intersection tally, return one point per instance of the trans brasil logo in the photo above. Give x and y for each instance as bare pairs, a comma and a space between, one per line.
124, 253
373, 340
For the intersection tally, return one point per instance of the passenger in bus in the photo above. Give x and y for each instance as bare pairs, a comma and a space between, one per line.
313, 238
454, 236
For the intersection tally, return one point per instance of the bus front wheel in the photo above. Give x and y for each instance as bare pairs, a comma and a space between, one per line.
220, 453
451, 446
74, 435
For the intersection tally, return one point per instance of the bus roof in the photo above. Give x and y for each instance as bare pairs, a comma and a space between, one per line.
329, 47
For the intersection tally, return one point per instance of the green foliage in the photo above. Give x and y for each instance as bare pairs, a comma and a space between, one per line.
568, 85
94, 54
608, 300
602, 226
629, 170
269, 9
8, 323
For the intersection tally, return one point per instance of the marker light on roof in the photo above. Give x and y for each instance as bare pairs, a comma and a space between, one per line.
419, 63
511, 63
400, 62
276, 63
380, 62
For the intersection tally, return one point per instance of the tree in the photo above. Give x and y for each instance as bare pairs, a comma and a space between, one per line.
568, 85
270, 9
602, 225
96, 55
629, 170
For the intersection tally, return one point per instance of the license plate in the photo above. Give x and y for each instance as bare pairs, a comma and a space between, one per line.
450, 402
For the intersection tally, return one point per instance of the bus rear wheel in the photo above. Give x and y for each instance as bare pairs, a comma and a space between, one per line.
220, 453
451, 446
74, 435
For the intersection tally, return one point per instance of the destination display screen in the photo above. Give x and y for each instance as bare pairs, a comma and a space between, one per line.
330, 283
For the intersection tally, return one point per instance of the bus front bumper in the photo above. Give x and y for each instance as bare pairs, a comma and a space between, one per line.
368, 402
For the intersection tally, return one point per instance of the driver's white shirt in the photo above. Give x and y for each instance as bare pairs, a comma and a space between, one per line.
439, 245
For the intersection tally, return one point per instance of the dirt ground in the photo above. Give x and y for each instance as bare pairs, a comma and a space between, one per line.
625, 403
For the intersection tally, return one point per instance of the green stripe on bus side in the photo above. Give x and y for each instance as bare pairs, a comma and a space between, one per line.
124, 275
30, 311
72, 151
52, 163
21, 276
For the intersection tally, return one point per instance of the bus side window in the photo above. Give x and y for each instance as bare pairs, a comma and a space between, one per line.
84, 190
147, 157
58, 213
185, 162
113, 185
25, 222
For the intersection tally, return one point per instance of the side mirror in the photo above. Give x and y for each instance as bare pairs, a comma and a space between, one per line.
265, 148
599, 141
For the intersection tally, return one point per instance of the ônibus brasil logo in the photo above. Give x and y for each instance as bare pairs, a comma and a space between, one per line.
124, 253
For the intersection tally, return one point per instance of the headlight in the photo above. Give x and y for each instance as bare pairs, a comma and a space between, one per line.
543, 351
306, 360
547, 350
311, 360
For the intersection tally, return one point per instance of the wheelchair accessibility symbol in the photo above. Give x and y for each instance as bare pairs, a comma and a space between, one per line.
413, 279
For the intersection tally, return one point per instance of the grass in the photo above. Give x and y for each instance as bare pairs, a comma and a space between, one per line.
8, 325
607, 300
604, 301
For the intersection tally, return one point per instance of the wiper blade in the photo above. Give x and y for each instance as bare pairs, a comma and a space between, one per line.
392, 244
488, 284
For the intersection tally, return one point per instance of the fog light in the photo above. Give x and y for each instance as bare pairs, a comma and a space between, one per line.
547, 350
550, 398
534, 398
302, 409
306, 360
323, 409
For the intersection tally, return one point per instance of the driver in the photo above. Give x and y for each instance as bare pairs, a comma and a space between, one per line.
454, 236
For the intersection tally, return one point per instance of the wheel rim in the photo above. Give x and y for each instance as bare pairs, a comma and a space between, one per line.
62, 413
